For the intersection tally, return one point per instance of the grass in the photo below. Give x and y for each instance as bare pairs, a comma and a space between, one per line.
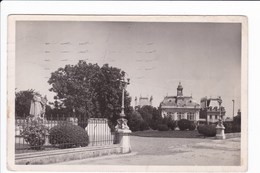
168, 134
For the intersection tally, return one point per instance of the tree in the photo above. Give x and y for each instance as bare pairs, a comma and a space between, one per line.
135, 121
89, 90
146, 113
150, 115
23, 102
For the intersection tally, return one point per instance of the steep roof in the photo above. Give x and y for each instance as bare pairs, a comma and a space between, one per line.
174, 101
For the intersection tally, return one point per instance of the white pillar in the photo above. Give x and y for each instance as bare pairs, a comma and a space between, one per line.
175, 116
185, 115
124, 140
220, 131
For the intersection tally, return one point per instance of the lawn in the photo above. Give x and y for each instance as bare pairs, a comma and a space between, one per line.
168, 134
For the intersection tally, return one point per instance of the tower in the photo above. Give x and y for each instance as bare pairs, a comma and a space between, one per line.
179, 90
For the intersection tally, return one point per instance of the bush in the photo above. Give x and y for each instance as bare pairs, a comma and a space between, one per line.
172, 124
192, 126
35, 133
207, 130
199, 128
154, 125
162, 127
68, 136
232, 127
183, 124
228, 127
236, 128
144, 126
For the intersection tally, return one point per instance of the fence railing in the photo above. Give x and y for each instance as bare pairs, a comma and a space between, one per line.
32, 135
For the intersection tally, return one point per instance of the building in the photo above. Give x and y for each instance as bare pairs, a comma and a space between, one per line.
211, 110
180, 107
143, 101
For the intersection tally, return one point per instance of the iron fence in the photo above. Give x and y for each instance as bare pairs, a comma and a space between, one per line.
32, 135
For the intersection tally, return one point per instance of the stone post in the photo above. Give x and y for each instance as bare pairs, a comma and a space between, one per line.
220, 130
123, 132
122, 129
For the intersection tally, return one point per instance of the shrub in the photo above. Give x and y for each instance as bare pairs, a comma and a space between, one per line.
207, 130
35, 133
111, 126
228, 127
68, 136
144, 126
199, 128
153, 125
192, 126
162, 127
232, 127
172, 124
236, 127
183, 124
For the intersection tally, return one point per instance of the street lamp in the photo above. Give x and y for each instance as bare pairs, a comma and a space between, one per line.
233, 107
219, 102
122, 122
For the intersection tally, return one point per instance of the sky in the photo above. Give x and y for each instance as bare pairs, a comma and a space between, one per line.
204, 57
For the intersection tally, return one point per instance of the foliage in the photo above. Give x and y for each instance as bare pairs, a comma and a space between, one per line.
199, 128
207, 130
183, 124
67, 135
192, 126
154, 125
35, 133
228, 127
23, 102
150, 115
169, 122
162, 127
89, 90
232, 127
144, 126
135, 120
146, 113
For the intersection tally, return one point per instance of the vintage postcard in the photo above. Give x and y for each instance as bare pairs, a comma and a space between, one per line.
127, 93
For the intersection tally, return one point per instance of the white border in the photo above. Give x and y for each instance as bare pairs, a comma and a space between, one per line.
250, 9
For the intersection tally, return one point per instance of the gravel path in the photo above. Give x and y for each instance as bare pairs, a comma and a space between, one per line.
174, 151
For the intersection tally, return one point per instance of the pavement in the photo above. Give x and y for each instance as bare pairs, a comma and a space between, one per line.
173, 152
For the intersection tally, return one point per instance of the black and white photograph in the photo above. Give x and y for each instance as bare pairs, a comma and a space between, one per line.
144, 91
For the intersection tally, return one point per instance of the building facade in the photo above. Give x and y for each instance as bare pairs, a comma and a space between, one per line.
143, 101
211, 110
180, 107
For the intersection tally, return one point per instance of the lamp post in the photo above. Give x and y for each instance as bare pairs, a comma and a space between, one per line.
122, 122
220, 102
122, 129
233, 107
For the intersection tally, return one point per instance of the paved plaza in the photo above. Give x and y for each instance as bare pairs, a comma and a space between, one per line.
173, 151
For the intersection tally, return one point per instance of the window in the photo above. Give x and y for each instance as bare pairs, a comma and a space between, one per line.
216, 117
210, 117
178, 115
190, 116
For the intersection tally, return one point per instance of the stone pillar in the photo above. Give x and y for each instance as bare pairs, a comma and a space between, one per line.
124, 140
123, 132
220, 130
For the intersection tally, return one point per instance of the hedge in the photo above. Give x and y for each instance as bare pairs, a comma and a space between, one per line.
68, 136
207, 130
